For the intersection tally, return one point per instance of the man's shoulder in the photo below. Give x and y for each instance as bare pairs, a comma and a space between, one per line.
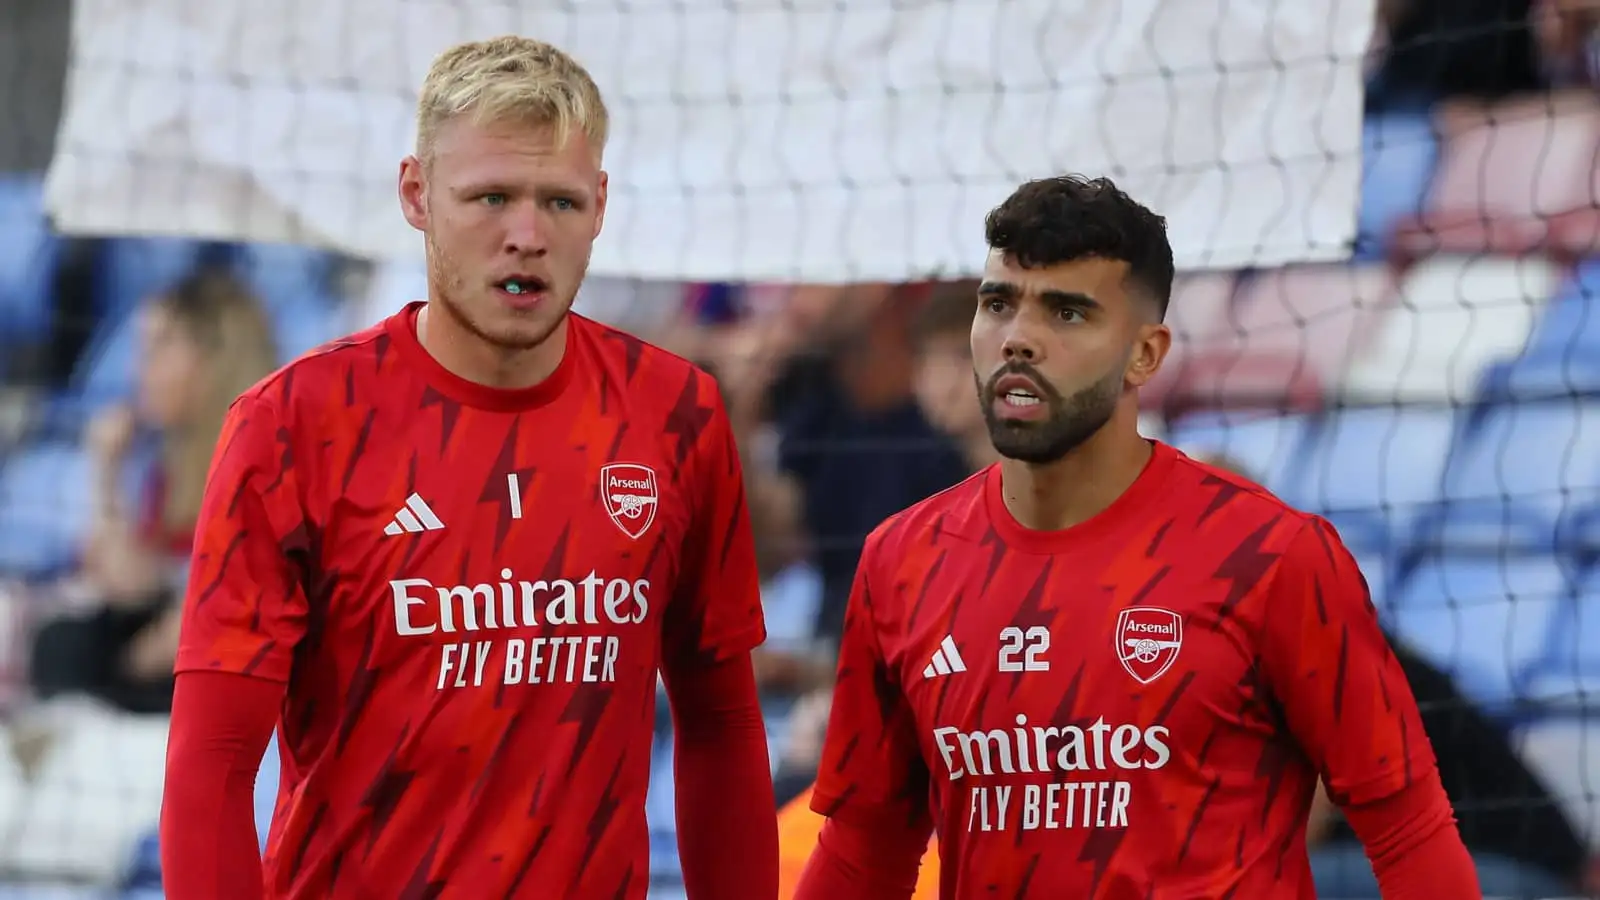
1225, 507
321, 375
652, 373
955, 512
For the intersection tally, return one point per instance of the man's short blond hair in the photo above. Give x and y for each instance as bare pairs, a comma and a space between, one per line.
511, 79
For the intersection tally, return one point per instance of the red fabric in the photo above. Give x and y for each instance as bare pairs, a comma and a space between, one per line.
1414, 846
220, 727
727, 832
1141, 702
469, 592
152, 523
857, 862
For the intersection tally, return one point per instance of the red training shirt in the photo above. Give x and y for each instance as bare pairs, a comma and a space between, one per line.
468, 592
1137, 707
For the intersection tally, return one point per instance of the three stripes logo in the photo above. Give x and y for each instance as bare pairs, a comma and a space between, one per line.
946, 659
413, 518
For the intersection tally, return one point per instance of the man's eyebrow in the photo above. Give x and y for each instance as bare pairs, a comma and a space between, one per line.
1008, 290
1069, 298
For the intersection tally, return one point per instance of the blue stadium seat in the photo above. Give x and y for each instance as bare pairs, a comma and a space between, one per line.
1562, 357
1488, 622
44, 508
297, 286
1371, 471
1521, 477
108, 371
29, 253
1582, 532
1399, 153
132, 269
144, 871
1567, 678
1269, 447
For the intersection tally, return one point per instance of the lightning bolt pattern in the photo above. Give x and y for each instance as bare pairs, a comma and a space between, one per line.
470, 677
1144, 702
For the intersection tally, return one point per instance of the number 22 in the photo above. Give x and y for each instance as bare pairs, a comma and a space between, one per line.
1030, 645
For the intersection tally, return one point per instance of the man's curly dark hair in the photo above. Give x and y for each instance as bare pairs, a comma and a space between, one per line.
1067, 218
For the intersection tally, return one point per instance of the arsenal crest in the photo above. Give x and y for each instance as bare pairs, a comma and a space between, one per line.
1147, 641
628, 491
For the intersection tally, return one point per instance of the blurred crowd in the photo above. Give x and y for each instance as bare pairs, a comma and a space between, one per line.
849, 403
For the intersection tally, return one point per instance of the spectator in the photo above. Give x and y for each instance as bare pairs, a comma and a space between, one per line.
204, 343
850, 433
945, 385
1568, 33
790, 662
1454, 49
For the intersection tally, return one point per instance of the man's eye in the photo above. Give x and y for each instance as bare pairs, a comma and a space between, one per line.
493, 199
1072, 315
563, 203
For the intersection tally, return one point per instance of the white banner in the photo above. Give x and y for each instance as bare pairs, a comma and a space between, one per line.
810, 140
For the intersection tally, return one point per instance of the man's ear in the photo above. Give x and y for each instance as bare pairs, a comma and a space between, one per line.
413, 190
1150, 349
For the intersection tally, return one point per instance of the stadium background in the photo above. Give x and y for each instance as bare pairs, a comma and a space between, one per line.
1406, 340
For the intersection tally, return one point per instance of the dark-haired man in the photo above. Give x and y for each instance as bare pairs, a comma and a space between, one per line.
1101, 669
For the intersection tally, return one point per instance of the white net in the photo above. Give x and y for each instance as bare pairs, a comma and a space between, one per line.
811, 141
1389, 233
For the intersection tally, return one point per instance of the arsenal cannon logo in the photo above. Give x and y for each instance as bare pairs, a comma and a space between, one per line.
1147, 641
628, 491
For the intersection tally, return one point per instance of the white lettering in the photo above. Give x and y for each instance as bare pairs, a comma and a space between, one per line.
1100, 747
472, 610
1034, 749
512, 603
403, 601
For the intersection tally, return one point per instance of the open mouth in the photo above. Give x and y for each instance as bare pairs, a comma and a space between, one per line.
1019, 395
522, 286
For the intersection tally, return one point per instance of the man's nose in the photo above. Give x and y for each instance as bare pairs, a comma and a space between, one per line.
527, 231
1021, 343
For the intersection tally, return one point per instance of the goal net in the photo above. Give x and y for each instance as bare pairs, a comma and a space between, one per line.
1386, 310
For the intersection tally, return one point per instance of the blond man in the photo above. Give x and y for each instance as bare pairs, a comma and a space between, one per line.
447, 557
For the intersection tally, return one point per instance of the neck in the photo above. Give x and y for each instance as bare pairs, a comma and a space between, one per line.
469, 356
1079, 486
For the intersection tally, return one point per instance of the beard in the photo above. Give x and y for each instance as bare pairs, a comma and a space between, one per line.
448, 285
1071, 420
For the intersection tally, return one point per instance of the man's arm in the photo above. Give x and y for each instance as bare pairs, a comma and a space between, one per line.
243, 616
872, 783
727, 817
1351, 710
727, 826
221, 724
855, 862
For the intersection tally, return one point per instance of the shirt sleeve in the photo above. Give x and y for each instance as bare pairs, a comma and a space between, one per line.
716, 613
1343, 691
245, 609
872, 771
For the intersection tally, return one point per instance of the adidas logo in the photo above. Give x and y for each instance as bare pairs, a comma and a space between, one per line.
413, 518
946, 659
